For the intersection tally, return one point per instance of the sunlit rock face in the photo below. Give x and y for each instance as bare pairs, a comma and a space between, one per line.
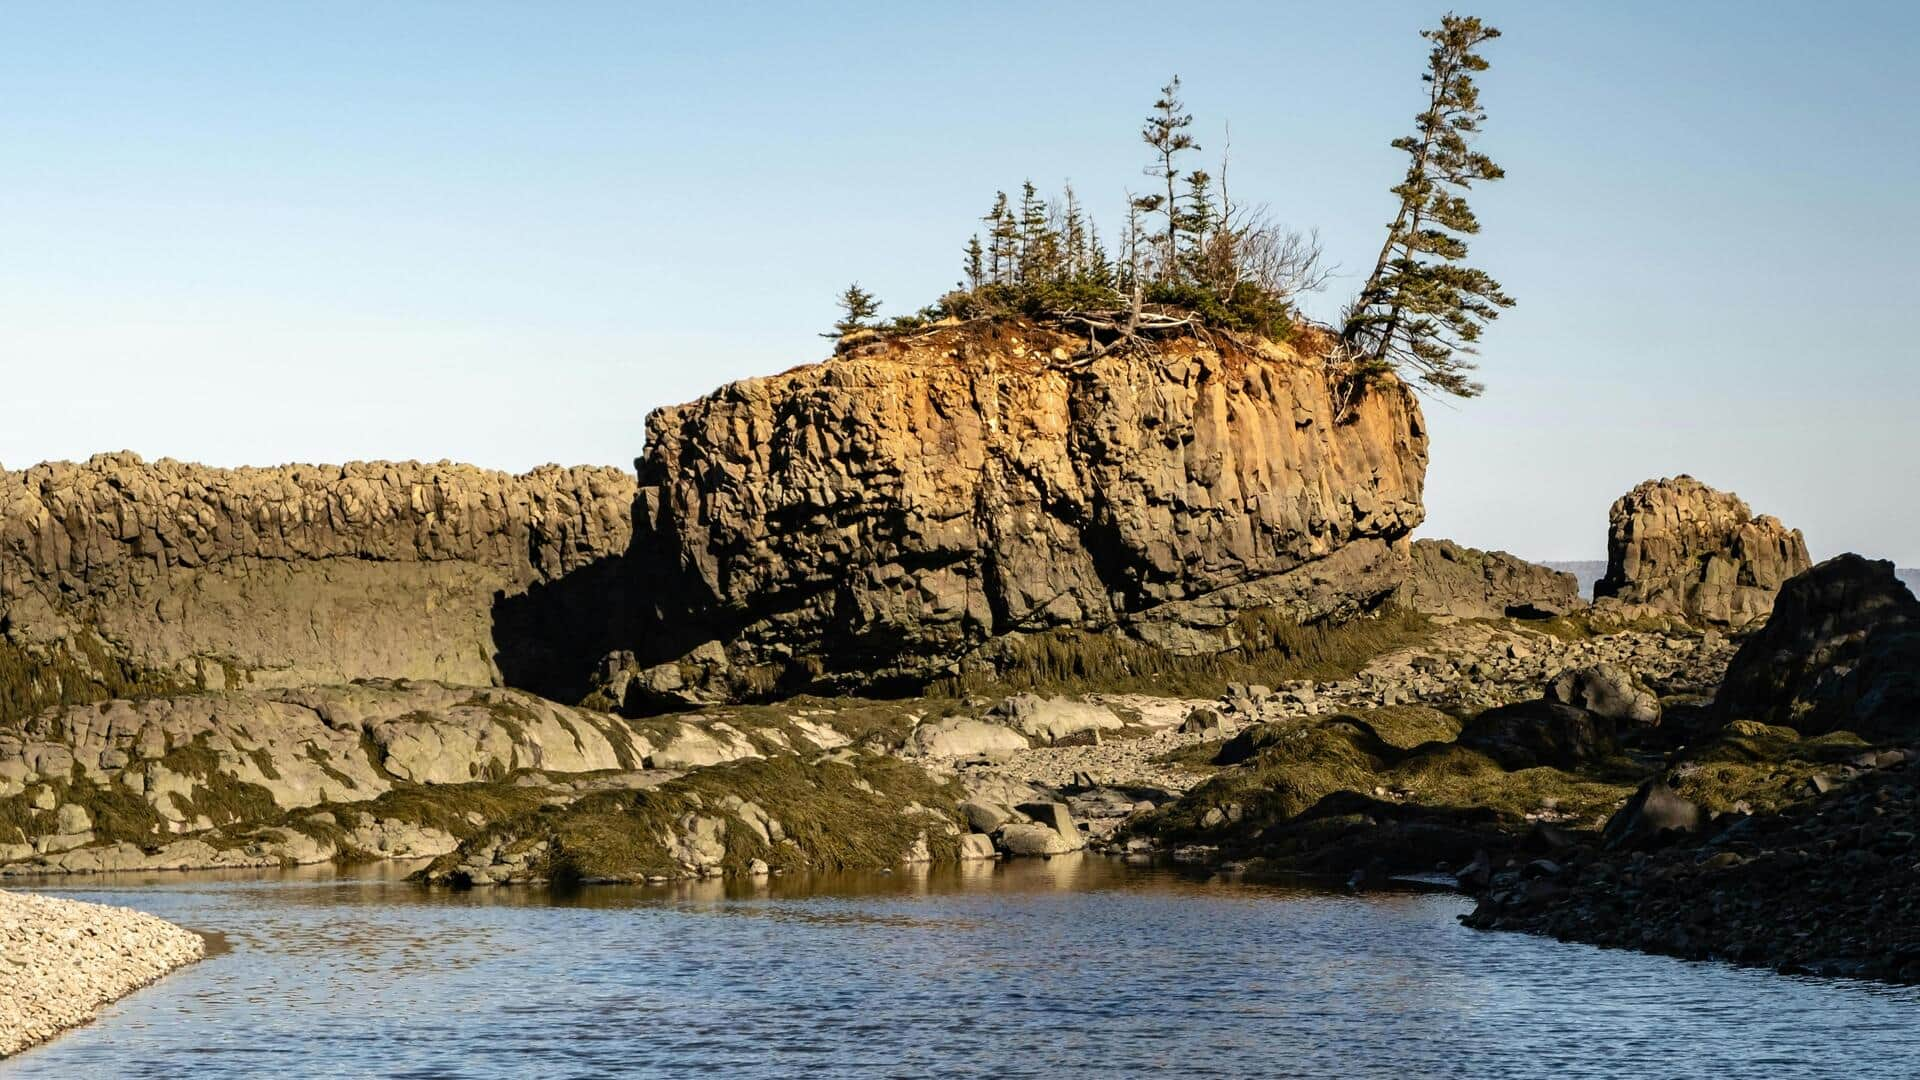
884, 512
1678, 547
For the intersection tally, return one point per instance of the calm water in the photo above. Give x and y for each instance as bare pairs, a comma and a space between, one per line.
1078, 967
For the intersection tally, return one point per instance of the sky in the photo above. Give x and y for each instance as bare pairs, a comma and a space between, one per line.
502, 233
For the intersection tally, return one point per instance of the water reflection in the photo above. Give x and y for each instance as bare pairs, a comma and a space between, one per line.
1075, 966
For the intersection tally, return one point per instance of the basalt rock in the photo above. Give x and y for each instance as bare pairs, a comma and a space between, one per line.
1443, 578
306, 574
1678, 547
879, 516
1841, 652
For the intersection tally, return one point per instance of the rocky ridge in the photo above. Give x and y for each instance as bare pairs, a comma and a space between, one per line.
288, 576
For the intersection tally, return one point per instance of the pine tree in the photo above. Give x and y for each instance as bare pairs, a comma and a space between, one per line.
1420, 309
1197, 221
1039, 245
975, 265
1073, 236
857, 306
1002, 241
1165, 131
1098, 270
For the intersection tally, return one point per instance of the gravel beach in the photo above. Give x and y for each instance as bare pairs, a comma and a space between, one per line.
61, 960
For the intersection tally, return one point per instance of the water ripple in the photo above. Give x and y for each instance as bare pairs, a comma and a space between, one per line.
1079, 967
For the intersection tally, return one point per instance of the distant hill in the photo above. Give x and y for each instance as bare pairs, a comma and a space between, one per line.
1587, 570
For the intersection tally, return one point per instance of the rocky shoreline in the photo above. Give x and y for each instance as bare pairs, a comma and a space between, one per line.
61, 961
942, 597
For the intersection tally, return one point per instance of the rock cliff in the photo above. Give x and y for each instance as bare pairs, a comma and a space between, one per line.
294, 575
881, 514
1678, 547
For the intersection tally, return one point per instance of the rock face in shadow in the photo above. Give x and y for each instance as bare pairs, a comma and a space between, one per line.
1444, 578
1678, 547
878, 515
298, 574
1841, 652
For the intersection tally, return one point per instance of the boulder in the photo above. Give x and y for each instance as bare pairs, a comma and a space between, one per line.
1203, 722
1607, 691
1652, 816
1678, 547
1052, 720
966, 738
1534, 733
1050, 830
1841, 652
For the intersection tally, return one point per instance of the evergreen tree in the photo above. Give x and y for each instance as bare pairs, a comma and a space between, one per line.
1197, 217
975, 265
858, 306
1003, 241
1165, 131
1073, 238
1098, 270
1421, 309
1039, 246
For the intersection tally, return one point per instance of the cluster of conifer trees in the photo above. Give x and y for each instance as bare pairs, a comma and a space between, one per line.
1188, 251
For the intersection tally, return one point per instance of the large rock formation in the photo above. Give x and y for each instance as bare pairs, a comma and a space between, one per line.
1443, 578
300, 574
1678, 547
1841, 652
880, 514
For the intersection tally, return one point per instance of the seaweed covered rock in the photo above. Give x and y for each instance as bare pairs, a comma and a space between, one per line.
1533, 733
1841, 652
839, 811
877, 517
1679, 547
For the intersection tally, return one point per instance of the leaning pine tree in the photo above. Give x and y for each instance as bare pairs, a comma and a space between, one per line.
1420, 310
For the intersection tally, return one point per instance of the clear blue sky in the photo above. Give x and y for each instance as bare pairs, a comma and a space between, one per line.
254, 233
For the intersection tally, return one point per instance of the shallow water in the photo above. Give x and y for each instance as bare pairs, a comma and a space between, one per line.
1078, 966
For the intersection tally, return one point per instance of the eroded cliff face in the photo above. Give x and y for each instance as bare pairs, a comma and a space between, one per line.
1679, 547
885, 512
295, 575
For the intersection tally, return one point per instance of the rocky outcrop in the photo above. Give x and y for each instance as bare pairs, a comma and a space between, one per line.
1678, 547
876, 516
303, 574
1443, 578
181, 780
1841, 652
1830, 885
